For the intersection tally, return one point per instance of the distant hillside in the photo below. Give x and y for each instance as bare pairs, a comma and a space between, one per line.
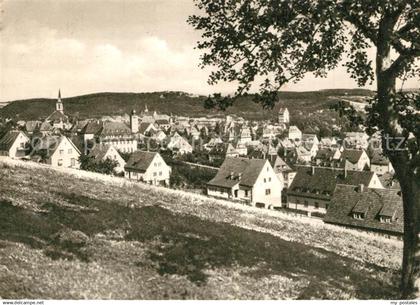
85, 235
178, 103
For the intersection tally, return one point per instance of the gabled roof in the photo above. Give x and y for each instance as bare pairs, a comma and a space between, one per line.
223, 149
99, 151
57, 116
140, 161
91, 127
378, 202
247, 169
51, 143
325, 154
352, 155
114, 129
9, 138
79, 125
309, 137
379, 159
144, 126
322, 181
280, 166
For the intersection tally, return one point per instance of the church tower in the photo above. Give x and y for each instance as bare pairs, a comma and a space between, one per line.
134, 122
59, 103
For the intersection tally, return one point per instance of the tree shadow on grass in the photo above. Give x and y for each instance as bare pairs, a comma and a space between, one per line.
187, 245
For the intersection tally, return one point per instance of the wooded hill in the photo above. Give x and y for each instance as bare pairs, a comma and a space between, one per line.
177, 103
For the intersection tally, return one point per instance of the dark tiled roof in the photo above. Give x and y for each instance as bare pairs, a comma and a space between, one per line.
388, 181
143, 127
353, 155
378, 202
114, 129
92, 127
248, 168
99, 151
379, 159
57, 116
222, 149
8, 139
322, 182
140, 161
325, 154
162, 122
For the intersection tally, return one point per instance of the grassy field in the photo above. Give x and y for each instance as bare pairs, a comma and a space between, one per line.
87, 236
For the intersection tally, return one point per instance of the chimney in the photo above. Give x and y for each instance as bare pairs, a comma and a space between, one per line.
360, 188
232, 175
239, 176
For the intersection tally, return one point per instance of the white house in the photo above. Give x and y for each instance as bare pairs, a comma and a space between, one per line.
355, 159
283, 116
294, 133
147, 167
58, 151
14, 144
103, 152
380, 164
251, 181
179, 145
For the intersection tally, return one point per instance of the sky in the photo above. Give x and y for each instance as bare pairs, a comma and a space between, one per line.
87, 46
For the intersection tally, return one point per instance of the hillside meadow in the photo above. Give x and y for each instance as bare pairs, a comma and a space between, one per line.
69, 234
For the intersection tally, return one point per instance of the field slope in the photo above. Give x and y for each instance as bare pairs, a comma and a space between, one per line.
72, 234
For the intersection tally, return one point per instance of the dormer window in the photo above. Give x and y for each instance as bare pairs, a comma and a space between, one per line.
357, 215
385, 219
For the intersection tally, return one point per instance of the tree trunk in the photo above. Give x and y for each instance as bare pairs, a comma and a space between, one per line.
410, 276
410, 188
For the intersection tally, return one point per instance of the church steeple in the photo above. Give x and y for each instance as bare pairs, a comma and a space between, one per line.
59, 103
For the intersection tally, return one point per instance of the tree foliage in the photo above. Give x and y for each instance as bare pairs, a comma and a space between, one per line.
106, 166
272, 42
268, 43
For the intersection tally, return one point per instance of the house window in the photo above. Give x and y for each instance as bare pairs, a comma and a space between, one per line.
154, 174
265, 180
73, 162
268, 191
316, 205
269, 179
306, 204
60, 162
246, 193
61, 151
160, 173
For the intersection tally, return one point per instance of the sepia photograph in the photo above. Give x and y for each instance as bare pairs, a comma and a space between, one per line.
229, 150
